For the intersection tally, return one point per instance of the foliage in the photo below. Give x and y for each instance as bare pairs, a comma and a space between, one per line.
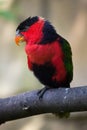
8, 15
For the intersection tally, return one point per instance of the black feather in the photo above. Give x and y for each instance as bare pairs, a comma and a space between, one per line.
44, 73
49, 33
27, 23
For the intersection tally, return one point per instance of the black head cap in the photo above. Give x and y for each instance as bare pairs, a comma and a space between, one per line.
26, 23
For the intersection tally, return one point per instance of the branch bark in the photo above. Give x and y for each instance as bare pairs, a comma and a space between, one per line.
53, 101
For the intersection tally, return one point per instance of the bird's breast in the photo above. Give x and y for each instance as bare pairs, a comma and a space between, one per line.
40, 54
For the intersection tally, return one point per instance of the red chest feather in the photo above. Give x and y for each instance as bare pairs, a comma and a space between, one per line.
41, 54
52, 53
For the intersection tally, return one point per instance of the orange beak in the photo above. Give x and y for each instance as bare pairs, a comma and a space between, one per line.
19, 39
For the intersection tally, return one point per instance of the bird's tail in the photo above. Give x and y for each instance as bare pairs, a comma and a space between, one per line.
62, 114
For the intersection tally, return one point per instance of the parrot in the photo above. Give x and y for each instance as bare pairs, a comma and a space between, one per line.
49, 55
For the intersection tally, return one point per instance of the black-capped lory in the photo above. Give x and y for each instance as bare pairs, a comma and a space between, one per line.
49, 55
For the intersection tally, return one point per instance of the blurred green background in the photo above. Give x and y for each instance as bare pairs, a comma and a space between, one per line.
70, 19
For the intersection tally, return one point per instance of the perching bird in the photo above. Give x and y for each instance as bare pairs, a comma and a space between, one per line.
49, 55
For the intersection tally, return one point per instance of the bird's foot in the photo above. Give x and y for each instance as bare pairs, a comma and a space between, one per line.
41, 92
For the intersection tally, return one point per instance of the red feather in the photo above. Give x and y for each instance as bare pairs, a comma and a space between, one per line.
34, 33
52, 53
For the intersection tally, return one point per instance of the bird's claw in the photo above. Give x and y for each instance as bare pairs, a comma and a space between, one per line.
41, 92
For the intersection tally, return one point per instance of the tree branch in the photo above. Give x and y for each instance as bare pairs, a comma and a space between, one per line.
53, 101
